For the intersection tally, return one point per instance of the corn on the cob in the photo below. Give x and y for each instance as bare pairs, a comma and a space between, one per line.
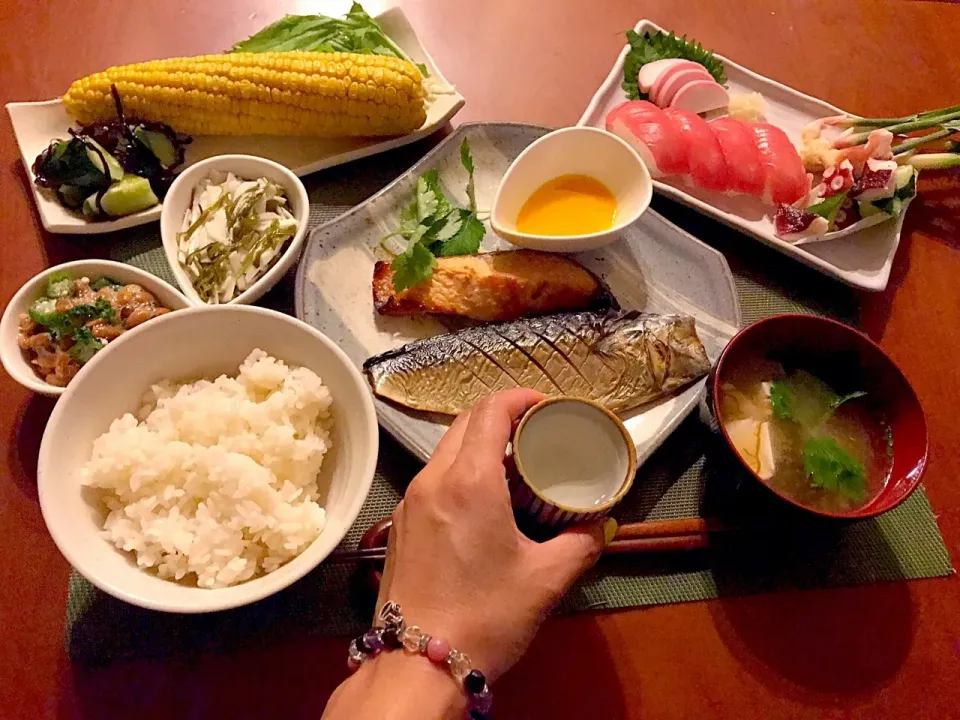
280, 93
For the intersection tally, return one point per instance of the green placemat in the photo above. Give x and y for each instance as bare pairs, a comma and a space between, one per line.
691, 474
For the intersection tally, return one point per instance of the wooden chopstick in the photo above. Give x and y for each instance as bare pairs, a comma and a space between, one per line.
640, 537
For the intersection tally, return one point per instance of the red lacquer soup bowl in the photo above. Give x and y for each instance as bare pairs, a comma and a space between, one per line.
830, 349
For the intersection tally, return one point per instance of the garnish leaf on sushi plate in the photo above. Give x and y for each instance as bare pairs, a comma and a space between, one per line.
648, 48
828, 207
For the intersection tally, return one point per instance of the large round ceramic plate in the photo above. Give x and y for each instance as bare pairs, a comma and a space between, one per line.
654, 266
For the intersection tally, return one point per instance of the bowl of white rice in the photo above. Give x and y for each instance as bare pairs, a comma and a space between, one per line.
207, 459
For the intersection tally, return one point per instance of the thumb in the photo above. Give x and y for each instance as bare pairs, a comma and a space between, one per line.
577, 549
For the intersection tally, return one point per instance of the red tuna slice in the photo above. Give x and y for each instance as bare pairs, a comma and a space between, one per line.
787, 179
674, 78
740, 151
707, 166
650, 132
700, 96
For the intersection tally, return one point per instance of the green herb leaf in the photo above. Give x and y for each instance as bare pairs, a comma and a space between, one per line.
846, 398
648, 48
357, 32
830, 467
100, 309
103, 282
466, 159
781, 400
829, 207
803, 398
466, 241
412, 267
427, 200
448, 227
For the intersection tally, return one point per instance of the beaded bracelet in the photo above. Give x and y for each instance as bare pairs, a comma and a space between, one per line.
396, 634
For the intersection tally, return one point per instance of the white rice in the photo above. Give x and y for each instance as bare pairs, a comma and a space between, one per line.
217, 481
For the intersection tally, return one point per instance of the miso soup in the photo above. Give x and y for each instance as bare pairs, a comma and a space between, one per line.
822, 449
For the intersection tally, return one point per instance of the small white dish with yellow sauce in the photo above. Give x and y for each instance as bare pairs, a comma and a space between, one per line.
574, 189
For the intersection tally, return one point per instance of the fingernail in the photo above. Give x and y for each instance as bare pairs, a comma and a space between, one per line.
609, 530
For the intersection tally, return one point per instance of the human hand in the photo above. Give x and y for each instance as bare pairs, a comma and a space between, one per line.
456, 562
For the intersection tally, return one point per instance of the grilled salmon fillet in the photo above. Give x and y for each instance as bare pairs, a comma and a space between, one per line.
494, 287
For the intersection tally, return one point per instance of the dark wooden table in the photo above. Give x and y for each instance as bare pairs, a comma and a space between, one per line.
880, 651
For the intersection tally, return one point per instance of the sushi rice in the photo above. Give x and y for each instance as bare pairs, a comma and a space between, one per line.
215, 482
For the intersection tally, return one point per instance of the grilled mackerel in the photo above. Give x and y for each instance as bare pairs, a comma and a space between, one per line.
618, 359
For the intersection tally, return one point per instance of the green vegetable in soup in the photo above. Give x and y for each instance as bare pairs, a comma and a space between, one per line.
805, 399
808, 401
832, 468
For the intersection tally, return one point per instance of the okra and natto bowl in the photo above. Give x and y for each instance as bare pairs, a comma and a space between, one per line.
232, 226
60, 318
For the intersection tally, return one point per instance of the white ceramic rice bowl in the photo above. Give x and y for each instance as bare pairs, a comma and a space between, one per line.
184, 346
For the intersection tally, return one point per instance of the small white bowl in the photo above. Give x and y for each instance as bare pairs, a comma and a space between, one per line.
185, 345
572, 151
180, 195
14, 361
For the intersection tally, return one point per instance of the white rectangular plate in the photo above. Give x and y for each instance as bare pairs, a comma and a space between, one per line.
35, 124
862, 259
654, 266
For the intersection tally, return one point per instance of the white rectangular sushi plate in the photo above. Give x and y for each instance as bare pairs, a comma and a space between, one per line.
862, 259
35, 124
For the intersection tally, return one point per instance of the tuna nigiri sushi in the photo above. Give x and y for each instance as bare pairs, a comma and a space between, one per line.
786, 178
708, 168
651, 133
747, 174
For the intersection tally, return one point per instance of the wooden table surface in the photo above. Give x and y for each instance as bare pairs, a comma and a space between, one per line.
879, 651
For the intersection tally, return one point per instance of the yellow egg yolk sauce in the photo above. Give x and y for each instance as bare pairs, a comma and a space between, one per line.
568, 205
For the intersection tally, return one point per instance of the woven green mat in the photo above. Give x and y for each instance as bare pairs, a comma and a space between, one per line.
691, 474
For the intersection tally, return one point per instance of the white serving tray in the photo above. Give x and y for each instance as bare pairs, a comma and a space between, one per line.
35, 124
654, 266
862, 259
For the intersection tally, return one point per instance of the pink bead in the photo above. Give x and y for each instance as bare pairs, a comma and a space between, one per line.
437, 650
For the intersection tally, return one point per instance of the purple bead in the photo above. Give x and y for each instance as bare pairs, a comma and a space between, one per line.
481, 701
474, 682
391, 639
371, 642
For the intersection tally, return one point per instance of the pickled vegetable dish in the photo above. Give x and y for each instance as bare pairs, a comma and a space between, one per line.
76, 318
823, 450
232, 233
